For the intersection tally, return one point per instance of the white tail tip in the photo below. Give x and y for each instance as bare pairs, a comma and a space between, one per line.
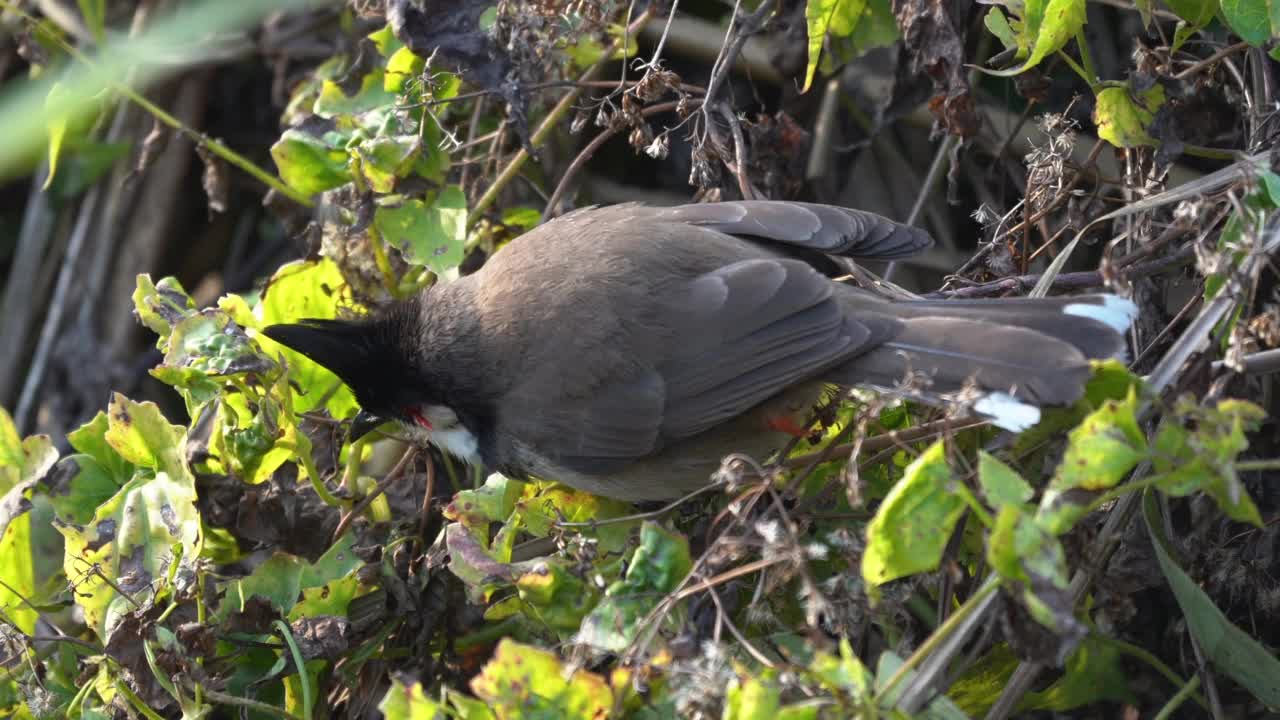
1007, 412
1115, 311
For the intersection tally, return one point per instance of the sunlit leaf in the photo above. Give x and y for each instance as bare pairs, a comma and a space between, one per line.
1123, 117
308, 163
432, 234
1042, 27
555, 594
1103, 448
141, 435
1001, 484
302, 290
523, 682
911, 527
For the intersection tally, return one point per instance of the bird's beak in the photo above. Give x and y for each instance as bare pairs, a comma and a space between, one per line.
363, 424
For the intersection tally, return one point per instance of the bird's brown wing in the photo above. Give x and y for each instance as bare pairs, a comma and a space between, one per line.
737, 336
822, 228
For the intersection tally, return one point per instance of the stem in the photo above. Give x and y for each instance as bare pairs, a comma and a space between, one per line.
1121, 490
123, 688
1087, 58
304, 678
1210, 153
1154, 662
1180, 697
1084, 75
1255, 465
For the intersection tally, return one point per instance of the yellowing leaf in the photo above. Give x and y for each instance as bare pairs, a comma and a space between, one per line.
522, 681
1123, 119
911, 527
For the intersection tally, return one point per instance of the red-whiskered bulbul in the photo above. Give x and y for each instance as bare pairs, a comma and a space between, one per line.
626, 350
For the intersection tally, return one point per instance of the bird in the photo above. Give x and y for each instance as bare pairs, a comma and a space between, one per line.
626, 350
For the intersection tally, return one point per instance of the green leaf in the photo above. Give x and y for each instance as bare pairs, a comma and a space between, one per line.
82, 485
997, 24
492, 502
1230, 649
22, 465
1043, 28
1031, 562
555, 595
385, 159
432, 235
301, 290
1204, 460
371, 95
1001, 484
1123, 118
523, 217
410, 702
130, 546
1250, 19
911, 527
1197, 13
12, 457
58, 124
845, 676
660, 563
1103, 448
308, 164
522, 682
402, 66
587, 49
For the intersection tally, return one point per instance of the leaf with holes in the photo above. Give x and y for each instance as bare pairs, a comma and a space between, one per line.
431, 235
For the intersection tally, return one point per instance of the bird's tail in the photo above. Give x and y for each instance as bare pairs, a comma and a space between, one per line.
1004, 358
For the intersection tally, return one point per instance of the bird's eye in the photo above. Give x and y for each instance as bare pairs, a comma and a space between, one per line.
416, 416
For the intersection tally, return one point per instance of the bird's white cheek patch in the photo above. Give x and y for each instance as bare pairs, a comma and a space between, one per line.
458, 442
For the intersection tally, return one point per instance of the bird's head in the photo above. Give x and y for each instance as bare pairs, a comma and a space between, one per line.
375, 359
